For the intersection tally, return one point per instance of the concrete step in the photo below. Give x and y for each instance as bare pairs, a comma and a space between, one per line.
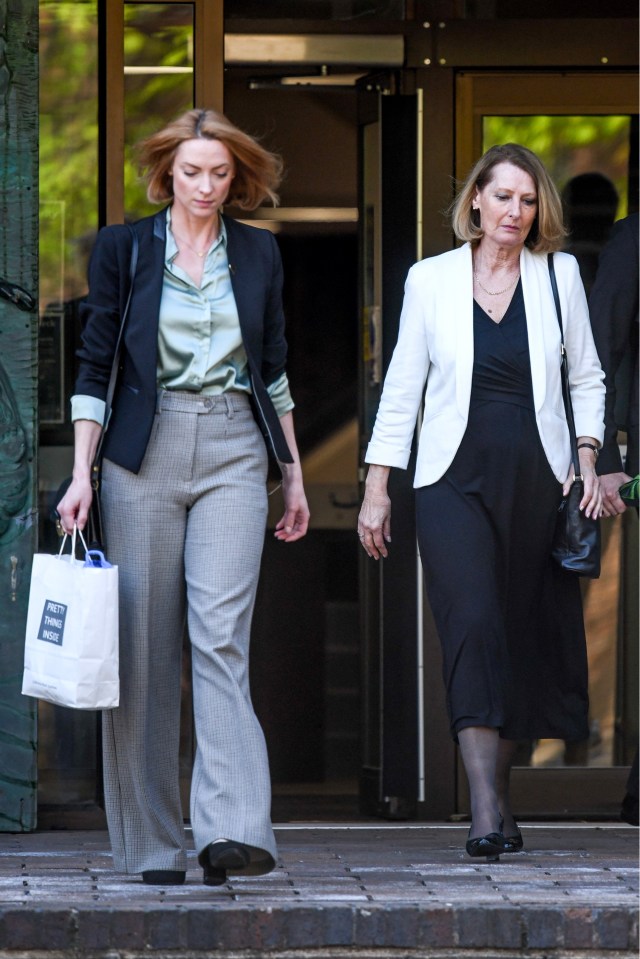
339, 891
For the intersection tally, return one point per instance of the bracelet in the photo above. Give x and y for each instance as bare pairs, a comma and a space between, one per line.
589, 446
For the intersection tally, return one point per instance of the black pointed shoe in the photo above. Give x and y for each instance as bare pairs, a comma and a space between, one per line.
218, 858
489, 846
163, 877
514, 843
511, 843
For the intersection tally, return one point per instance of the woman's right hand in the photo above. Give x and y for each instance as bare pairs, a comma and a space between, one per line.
73, 508
374, 521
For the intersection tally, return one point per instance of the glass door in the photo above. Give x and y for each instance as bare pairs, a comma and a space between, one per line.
390, 592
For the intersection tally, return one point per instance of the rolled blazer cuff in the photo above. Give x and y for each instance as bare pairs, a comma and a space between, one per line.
589, 427
280, 395
383, 456
87, 408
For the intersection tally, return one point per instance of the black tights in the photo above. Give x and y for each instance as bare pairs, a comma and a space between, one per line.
487, 761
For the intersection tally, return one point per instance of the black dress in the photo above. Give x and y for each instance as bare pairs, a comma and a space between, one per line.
509, 619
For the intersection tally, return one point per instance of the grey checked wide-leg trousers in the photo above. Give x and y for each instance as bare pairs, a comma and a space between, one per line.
187, 534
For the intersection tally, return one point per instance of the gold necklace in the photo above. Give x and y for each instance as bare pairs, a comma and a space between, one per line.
496, 292
192, 248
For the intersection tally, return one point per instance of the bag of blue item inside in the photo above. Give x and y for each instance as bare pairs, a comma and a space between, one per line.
71, 645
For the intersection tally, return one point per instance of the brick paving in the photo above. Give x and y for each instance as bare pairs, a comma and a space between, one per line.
338, 891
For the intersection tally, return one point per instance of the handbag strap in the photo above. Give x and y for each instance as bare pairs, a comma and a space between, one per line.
115, 366
564, 374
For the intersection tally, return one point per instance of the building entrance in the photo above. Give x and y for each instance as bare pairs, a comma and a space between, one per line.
345, 668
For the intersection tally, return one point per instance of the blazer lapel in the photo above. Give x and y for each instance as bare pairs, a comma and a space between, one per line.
159, 247
460, 283
160, 226
241, 285
151, 278
142, 329
537, 297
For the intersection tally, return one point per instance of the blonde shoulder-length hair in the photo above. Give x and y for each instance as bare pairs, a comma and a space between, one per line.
547, 230
258, 172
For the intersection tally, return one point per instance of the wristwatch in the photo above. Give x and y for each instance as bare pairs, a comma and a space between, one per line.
589, 446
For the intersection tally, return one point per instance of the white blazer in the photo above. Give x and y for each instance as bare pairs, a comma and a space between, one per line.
435, 346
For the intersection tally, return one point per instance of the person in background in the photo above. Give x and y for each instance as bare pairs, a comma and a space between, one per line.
590, 202
613, 307
202, 393
479, 328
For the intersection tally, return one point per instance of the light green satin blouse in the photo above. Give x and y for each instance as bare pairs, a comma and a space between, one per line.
199, 340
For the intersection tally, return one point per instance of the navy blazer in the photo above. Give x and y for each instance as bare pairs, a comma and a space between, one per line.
256, 277
613, 307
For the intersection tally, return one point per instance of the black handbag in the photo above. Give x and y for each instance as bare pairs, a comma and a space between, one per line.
576, 541
94, 534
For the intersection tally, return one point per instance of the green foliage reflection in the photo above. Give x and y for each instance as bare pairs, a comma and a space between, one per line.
68, 145
569, 145
158, 36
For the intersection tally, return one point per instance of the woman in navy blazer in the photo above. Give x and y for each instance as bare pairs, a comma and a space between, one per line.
202, 397
479, 331
255, 270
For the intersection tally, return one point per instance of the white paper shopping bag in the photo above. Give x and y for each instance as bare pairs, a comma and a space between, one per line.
71, 647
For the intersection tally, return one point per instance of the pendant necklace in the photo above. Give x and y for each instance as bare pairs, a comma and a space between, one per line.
495, 292
192, 248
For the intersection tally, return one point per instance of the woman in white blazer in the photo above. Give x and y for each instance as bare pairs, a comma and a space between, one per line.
479, 343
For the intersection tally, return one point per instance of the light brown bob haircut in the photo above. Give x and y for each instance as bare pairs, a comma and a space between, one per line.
547, 230
257, 171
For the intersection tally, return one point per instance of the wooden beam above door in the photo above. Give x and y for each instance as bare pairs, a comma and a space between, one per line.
536, 43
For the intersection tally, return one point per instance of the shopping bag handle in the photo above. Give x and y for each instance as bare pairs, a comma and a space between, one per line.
73, 542
92, 557
96, 559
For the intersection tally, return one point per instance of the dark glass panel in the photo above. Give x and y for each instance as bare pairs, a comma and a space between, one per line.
314, 9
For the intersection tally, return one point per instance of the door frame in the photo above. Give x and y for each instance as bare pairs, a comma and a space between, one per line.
550, 93
389, 113
208, 78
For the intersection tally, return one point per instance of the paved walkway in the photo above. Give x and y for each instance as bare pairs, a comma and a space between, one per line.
339, 891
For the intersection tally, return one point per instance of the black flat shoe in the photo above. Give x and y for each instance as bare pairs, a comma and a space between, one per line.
514, 843
489, 846
163, 877
218, 858
213, 877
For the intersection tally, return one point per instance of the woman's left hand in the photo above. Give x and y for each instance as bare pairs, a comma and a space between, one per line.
295, 522
591, 502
